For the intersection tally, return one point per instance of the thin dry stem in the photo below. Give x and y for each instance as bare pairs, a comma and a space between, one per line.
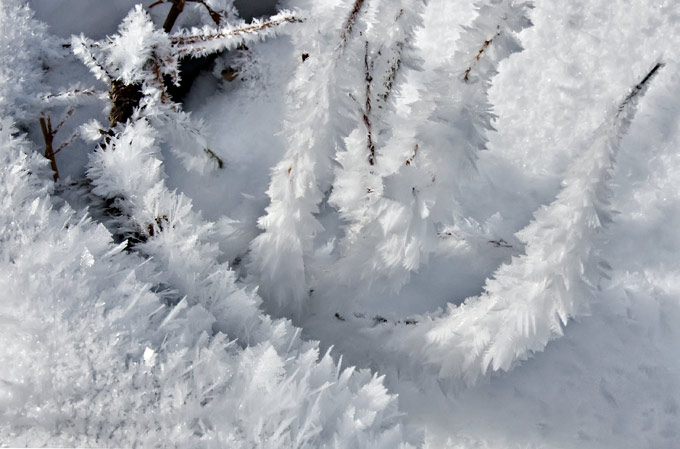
48, 135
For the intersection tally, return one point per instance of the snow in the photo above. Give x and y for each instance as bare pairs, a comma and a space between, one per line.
297, 295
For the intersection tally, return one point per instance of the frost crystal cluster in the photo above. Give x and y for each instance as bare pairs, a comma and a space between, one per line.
342, 224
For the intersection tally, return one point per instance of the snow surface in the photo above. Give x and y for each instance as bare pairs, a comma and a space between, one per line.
172, 343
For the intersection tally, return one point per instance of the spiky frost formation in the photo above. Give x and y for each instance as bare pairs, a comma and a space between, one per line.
94, 357
386, 49
22, 51
422, 166
134, 62
531, 298
321, 113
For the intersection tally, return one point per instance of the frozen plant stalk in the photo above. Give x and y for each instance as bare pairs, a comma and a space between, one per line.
531, 298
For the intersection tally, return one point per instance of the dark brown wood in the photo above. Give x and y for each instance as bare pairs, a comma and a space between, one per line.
48, 134
124, 99
175, 11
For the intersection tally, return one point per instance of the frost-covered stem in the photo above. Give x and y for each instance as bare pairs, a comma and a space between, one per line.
157, 79
178, 7
349, 22
82, 48
73, 96
228, 37
531, 298
367, 108
479, 54
358, 187
322, 113
427, 158
456, 129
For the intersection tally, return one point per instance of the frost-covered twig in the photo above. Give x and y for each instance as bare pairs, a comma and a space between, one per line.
531, 298
321, 113
427, 156
73, 96
210, 40
358, 185
135, 61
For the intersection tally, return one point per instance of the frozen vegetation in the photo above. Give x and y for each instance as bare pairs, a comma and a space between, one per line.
348, 224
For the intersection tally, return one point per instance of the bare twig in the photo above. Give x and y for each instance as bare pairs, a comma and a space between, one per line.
376, 319
500, 243
214, 15
175, 11
48, 134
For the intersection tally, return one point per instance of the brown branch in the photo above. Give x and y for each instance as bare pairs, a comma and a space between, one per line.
158, 80
217, 17
48, 135
173, 14
214, 15
216, 158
